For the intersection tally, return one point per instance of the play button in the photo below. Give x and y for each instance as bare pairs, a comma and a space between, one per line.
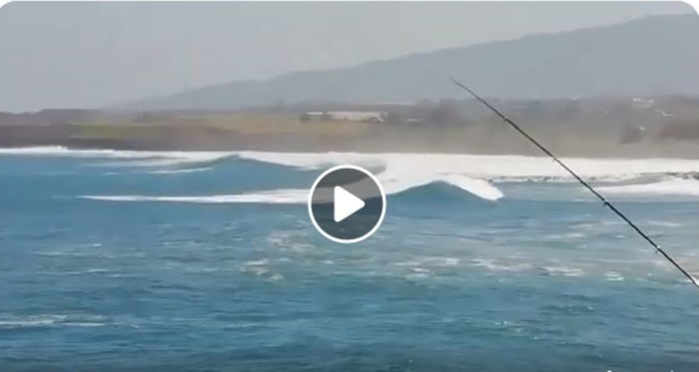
346, 204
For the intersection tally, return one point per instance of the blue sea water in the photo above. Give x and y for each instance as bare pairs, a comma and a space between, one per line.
544, 279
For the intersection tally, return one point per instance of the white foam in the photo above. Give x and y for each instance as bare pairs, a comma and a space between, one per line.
50, 320
480, 188
311, 160
664, 223
402, 171
613, 276
176, 159
471, 172
475, 166
282, 196
60, 151
510, 167
564, 271
482, 166
261, 262
665, 187
180, 171
34, 150
494, 265
147, 158
396, 180
430, 261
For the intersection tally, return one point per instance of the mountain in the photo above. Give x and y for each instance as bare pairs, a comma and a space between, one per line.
645, 57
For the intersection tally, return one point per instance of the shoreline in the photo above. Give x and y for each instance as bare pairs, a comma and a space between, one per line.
625, 155
343, 137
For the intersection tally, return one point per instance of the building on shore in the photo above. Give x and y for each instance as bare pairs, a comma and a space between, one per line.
352, 116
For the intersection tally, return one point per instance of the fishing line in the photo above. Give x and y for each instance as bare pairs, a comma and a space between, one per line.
581, 180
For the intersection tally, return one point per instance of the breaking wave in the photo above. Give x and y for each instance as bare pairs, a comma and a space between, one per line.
399, 172
495, 168
480, 188
8, 321
282, 196
680, 187
130, 157
490, 167
181, 170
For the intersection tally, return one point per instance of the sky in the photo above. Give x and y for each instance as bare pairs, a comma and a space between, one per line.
93, 54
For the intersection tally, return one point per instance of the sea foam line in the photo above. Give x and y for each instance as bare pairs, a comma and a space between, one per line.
50, 320
482, 166
135, 157
664, 187
480, 188
281, 196
490, 167
403, 171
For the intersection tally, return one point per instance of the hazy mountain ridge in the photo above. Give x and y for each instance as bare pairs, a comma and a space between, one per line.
646, 57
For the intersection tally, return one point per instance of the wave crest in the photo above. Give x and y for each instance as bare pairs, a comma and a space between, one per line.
680, 187
50, 320
135, 158
490, 167
480, 188
281, 196
498, 168
404, 171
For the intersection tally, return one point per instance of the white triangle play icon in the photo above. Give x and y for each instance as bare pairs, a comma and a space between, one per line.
345, 204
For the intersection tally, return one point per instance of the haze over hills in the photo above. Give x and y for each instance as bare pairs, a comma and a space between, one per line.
607, 91
651, 56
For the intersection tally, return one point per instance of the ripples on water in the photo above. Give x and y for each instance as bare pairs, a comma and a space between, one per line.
542, 279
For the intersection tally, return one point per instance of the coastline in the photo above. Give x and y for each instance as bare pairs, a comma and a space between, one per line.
386, 143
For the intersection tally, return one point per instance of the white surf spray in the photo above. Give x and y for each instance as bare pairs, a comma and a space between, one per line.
403, 171
480, 188
483, 166
396, 183
130, 157
181, 171
281, 196
677, 187
509, 167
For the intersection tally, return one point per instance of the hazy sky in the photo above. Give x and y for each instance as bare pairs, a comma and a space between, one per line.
93, 54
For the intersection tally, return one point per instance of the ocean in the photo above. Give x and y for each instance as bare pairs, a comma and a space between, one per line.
207, 261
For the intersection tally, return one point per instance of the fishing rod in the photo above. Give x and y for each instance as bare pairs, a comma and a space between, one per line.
579, 179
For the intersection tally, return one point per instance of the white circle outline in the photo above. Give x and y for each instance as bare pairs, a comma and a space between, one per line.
383, 204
